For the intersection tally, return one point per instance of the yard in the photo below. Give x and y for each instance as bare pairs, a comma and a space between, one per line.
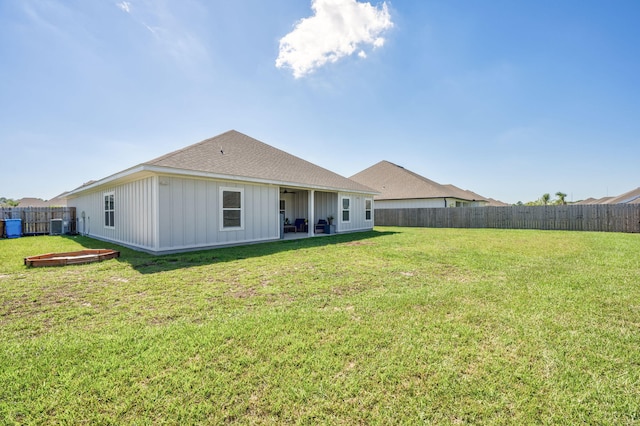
393, 326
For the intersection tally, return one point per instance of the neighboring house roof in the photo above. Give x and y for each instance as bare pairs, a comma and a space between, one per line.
236, 156
465, 194
58, 201
397, 183
603, 200
496, 203
31, 202
630, 197
589, 200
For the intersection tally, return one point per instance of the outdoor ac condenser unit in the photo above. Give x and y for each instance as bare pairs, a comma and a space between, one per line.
58, 227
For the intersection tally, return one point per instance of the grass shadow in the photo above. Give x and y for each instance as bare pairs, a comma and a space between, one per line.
146, 263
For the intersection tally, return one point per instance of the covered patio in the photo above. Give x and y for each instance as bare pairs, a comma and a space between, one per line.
306, 212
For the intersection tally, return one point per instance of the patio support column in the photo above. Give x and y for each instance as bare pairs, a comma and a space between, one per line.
312, 220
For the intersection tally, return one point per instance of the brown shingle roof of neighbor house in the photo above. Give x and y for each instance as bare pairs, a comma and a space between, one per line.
603, 200
630, 197
589, 200
57, 201
396, 183
469, 195
496, 203
31, 202
235, 154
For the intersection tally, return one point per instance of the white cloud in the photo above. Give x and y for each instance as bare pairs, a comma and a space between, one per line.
337, 29
125, 6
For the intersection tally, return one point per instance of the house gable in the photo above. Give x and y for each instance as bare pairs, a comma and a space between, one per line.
397, 183
237, 155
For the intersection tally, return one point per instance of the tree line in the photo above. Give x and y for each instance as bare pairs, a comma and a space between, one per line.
546, 200
8, 202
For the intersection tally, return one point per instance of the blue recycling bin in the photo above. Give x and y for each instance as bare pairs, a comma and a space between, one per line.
13, 228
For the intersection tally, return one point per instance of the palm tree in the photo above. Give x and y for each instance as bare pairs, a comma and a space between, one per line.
561, 197
545, 199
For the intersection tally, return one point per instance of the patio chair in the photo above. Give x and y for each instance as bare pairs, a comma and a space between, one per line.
321, 226
301, 226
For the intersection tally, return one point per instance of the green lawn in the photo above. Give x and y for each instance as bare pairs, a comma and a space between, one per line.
394, 326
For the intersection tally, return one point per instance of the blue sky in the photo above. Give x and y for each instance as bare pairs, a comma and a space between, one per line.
510, 99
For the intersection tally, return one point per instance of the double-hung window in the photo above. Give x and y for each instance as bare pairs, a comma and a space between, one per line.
109, 210
232, 215
368, 203
346, 209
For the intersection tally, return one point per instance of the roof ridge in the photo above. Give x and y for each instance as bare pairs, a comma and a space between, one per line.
397, 182
236, 154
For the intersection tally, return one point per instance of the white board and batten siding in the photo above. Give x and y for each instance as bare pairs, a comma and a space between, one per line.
165, 213
296, 205
190, 210
162, 214
135, 210
325, 205
357, 213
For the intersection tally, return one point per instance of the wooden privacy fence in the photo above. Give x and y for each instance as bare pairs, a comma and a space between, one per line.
37, 220
594, 217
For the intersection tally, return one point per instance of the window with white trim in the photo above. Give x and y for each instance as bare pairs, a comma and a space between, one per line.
232, 213
368, 204
109, 210
346, 209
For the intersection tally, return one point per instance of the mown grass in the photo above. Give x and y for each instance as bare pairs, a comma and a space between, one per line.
394, 326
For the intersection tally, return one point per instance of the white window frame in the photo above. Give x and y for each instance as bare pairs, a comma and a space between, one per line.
109, 207
368, 210
342, 209
223, 209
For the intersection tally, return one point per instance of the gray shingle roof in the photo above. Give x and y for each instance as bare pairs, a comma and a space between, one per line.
396, 183
465, 194
239, 156
58, 201
589, 200
496, 203
603, 200
630, 197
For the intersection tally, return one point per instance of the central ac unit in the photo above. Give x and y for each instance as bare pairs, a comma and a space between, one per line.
58, 227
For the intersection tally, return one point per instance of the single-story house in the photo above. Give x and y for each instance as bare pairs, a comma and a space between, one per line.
227, 190
400, 188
